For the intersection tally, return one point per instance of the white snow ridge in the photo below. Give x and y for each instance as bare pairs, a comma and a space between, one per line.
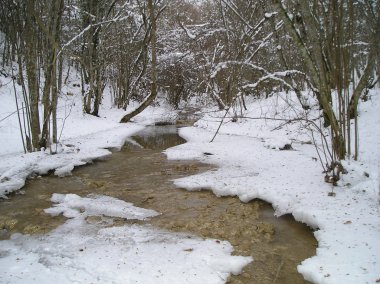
83, 252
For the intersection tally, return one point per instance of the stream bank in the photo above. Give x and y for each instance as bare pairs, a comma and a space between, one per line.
141, 174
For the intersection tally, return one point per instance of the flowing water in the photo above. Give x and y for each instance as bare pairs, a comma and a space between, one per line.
140, 174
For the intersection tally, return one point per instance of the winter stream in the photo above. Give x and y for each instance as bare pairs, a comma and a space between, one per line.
141, 174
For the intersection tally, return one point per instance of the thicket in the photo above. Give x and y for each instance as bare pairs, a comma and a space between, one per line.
227, 50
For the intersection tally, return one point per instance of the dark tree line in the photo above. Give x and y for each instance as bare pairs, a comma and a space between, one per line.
226, 49
255, 48
106, 42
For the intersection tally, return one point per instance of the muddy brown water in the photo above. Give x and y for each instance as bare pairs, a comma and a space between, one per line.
142, 175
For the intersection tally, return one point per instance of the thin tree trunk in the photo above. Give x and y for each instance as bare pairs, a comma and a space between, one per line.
153, 92
31, 70
318, 77
18, 112
54, 101
371, 63
46, 99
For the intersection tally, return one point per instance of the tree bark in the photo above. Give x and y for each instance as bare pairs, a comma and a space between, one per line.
153, 91
31, 69
369, 69
317, 72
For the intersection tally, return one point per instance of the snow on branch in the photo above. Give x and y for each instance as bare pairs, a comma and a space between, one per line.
236, 12
187, 31
118, 18
276, 76
262, 44
224, 65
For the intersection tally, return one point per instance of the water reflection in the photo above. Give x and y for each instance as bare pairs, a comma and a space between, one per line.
158, 137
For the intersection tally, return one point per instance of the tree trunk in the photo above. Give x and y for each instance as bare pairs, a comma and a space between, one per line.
153, 92
319, 75
97, 94
31, 70
52, 32
46, 99
369, 69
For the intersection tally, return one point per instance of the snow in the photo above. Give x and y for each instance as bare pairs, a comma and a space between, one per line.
70, 205
269, 15
251, 166
80, 251
83, 137
90, 247
15, 168
189, 33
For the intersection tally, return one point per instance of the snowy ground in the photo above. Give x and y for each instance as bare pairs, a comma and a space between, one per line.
83, 137
88, 250
250, 166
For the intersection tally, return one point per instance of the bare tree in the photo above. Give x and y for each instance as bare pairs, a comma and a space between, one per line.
153, 85
35, 38
321, 33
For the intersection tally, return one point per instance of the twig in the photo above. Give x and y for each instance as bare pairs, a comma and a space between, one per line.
278, 270
292, 120
18, 112
316, 149
9, 115
220, 124
63, 126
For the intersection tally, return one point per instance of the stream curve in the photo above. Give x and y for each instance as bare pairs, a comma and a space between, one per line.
141, 174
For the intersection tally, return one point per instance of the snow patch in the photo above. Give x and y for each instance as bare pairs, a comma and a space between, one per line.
347, 225
70, 205
82, 252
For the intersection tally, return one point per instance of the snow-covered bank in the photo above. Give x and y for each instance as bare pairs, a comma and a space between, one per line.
15, 168
89, 247
91, 250
251, 166
82, 137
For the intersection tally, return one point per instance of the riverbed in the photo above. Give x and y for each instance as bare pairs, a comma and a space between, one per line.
141, 174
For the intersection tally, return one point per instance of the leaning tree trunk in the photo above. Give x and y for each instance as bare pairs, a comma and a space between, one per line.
153, 92
369, 69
